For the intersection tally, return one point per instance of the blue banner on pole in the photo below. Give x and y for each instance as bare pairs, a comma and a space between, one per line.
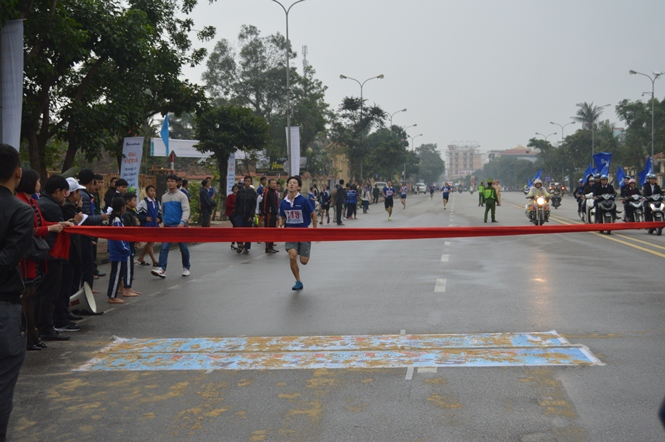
620, 176
602, 159
164, 133
648, 168
588, 172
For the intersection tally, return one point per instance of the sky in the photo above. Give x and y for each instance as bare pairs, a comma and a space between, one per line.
491, 72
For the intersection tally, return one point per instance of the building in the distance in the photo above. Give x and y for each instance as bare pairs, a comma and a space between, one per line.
519, 152
463, 159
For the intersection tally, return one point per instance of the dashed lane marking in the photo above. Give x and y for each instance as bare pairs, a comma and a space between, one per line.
445, 258
440, 286
446, 243
364, 351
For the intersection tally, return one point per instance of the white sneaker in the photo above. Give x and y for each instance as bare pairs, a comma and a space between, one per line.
185, 272
159, 272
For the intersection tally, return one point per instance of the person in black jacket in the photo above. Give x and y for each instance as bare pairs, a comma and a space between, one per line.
340, 198
206, 204
604, 188
270, 210
16, 233
650, 188
56, 189
245, 210
88, 204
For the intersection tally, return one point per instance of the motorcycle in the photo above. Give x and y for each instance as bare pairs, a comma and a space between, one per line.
471, 190
588, 214
635, 201
607, 207
556, 199
539, 211
657, 206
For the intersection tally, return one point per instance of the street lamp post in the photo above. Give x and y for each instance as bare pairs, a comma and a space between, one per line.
545, 136
413, 144
557, 124
344, 77
653, 81
391, 116
593, 133
288, 86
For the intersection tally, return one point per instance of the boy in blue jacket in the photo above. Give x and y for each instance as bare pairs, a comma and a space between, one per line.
120, 255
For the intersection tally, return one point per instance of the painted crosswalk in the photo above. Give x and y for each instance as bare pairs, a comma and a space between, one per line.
364, 351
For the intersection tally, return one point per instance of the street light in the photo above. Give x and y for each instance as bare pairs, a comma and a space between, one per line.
408, 127
344, 77
545, 136
391, 116
288, 87
414, 148
593, 133
557, 124
653, 80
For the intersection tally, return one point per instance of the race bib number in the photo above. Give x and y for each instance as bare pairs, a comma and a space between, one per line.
293, 216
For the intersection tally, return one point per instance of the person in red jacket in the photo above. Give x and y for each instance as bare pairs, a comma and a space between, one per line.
230, 207
32, 271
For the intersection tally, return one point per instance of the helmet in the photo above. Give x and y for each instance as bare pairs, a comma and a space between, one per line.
592, 178
557, 184
651, 175
581, 180
490, 181
537, 181
632, 180
597, 175
603, 177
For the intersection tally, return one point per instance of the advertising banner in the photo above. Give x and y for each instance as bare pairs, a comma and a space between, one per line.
11, 63
294, 150
132, 151
230, 173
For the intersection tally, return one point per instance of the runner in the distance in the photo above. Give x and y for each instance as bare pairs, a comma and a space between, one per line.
388, 193
446, 193
402, 194
431, 191
296, 211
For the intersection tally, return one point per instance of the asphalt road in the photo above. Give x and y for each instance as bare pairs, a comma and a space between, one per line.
597, 291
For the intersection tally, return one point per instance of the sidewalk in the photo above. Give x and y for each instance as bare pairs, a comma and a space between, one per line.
102, 244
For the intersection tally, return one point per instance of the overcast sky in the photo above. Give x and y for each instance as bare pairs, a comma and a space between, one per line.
494, 71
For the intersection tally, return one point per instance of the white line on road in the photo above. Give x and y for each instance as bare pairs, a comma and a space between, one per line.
445, 258
174, 287
426, 369
409, 374
402, 332
446, 243
440, 286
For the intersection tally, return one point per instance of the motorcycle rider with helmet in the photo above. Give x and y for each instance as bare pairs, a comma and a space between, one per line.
650, 188
604, 188
536, 191
626, 192
579, 195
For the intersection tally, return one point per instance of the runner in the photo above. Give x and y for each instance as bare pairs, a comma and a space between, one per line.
296, 211
431, 191
446, 193
402, 194
388, 193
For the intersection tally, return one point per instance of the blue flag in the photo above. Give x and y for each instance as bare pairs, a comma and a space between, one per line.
164, 133
602, 159
648, 168
620, 176
537, 175
587, 172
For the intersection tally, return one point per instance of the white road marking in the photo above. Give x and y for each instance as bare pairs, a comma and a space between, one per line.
440, 286
426, 369
445, 258
447, 243
409, 374
402, 332
174, 287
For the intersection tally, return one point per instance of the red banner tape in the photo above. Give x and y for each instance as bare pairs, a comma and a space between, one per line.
242, 234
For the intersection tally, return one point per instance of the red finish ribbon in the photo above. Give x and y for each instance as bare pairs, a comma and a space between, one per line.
263, 234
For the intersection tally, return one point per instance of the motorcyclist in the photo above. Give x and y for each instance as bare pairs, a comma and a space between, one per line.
650, 188
604, 188
578, 194
626, 192
556, 191
535, 191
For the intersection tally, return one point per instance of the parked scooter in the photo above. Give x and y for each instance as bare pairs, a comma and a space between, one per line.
657, 206
606, 210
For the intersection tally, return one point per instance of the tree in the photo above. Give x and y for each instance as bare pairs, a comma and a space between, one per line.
587, 114
386, 154
255, 76
431, 164
101, 70
224, 129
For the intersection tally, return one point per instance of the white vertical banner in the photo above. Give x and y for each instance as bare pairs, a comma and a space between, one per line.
132, 151
230, 174
294, 150
11, 62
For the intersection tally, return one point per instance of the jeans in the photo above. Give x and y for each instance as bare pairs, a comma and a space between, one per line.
47, 294
12, 353
338, 212
241, 222
365, 206
164, 254
205, 217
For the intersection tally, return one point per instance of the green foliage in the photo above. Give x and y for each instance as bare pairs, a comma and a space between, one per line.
386, 154
431, 164
101, 70
194, 204
224, 129
511, 171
